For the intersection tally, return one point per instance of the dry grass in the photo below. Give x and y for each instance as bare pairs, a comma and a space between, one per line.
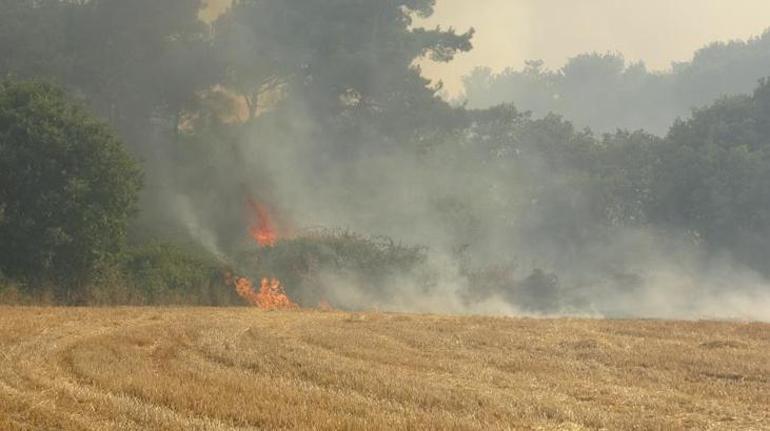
185, 369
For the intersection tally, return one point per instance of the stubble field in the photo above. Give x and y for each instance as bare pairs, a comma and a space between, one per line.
217, 369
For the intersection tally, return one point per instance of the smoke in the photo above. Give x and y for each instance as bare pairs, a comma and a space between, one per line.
182, 206
658, 32
662, 274
473, 214
476, 214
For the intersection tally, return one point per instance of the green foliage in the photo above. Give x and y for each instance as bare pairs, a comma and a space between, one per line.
134, 61
714, 175
69, 188
345, 62
708, 177
334, 98
161, 273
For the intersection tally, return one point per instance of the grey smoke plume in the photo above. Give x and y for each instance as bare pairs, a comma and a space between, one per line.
471, 212
481, 214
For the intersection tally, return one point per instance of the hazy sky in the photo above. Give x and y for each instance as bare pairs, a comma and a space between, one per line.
508, 32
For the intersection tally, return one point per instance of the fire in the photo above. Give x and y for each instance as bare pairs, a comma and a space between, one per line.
245, 290
262, 228
271, 295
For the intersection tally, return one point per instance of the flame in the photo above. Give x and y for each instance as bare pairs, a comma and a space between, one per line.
245, 290
262, 228
271, 295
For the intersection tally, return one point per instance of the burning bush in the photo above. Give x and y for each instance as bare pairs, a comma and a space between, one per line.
303, 263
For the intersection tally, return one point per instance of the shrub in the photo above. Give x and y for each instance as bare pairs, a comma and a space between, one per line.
159, 273
301, 262
68, 190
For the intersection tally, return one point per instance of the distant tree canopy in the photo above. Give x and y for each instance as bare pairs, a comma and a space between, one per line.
68, 187
604, 92
708, 177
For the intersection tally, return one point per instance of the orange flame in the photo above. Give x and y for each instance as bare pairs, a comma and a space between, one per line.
262, 228
245, 290
271, 295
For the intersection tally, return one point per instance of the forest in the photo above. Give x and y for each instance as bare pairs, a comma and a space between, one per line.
146, 154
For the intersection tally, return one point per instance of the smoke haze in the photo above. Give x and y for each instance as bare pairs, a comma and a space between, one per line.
657, 32
313, 109
513, 210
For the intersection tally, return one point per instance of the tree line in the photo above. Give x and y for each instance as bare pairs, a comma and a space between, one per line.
604, 91
132, 132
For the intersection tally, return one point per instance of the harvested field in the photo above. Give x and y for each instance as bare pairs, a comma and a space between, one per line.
216, 369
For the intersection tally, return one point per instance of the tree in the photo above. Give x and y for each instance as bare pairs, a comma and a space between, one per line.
338, 57
714, 174
33, 38
605, 92
69, 188
139, 63
252, 57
